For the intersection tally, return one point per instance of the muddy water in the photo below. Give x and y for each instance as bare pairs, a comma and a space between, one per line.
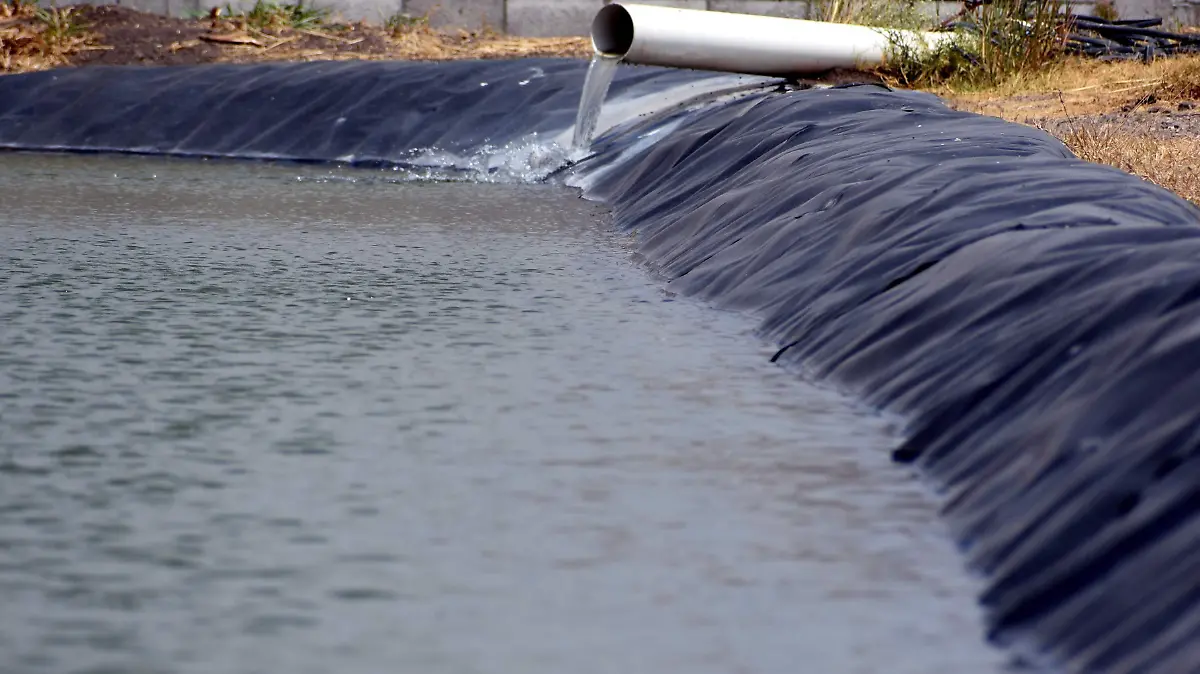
267, 419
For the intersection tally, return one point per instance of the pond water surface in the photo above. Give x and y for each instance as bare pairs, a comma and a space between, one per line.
262, 418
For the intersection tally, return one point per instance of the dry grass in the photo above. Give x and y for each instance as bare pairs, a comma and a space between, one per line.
418, 43
1004, 38
425, 44
1173, 163
33, 38
1096, 109
1082, 87
884, 13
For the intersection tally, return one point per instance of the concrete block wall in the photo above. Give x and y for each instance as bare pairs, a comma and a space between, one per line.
573, 17
544, 18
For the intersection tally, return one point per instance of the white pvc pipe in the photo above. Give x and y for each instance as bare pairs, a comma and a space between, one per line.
744, 43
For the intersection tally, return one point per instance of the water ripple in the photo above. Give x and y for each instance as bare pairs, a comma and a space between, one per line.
252, 424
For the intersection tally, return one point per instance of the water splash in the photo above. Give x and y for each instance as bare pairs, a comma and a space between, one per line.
600, 74
529, 160
619, 158
526, 161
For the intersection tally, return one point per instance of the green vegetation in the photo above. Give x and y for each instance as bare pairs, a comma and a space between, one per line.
902, 14
265, 15
994, 41
29, 32
401, 22
60, 26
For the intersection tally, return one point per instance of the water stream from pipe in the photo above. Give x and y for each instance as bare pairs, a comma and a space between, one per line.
599, 78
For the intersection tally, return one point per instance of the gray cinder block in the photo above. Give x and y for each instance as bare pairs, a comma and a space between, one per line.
370, 11
551, 18
469, 14
790, 10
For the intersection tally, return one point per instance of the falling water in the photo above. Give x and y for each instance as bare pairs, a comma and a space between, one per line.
599, 76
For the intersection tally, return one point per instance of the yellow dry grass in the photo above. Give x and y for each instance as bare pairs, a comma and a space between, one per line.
410, 46
1173, 163
412, 43
32, 38
426, 44
1083, 87
1079, 90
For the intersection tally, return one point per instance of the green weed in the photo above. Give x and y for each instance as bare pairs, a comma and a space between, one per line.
994, 41
402, 23
265, 14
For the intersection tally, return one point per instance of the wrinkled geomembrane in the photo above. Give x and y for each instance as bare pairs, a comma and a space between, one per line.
1035, 317
357, 112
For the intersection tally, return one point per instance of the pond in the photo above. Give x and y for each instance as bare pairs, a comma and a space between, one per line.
262, 418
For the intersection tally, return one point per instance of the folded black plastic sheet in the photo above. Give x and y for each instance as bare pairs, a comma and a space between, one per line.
359, 113
1037, 318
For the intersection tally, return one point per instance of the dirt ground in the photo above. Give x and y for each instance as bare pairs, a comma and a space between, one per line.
114, 35
1162, 147
1142, 118
1159, 123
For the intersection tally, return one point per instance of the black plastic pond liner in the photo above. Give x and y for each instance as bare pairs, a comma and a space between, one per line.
324, 111
1035, 317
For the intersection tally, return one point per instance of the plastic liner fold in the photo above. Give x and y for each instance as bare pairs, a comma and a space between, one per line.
376, 113
1035, 317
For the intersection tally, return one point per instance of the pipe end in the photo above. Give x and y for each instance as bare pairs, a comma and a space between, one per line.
612, 31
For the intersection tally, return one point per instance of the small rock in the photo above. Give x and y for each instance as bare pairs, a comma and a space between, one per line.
1156, 109
1187, 105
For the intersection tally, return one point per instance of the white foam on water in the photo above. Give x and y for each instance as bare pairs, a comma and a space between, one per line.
537, 156
584, 181
529, 160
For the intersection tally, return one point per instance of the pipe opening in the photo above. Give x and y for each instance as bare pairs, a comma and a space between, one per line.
612, 31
